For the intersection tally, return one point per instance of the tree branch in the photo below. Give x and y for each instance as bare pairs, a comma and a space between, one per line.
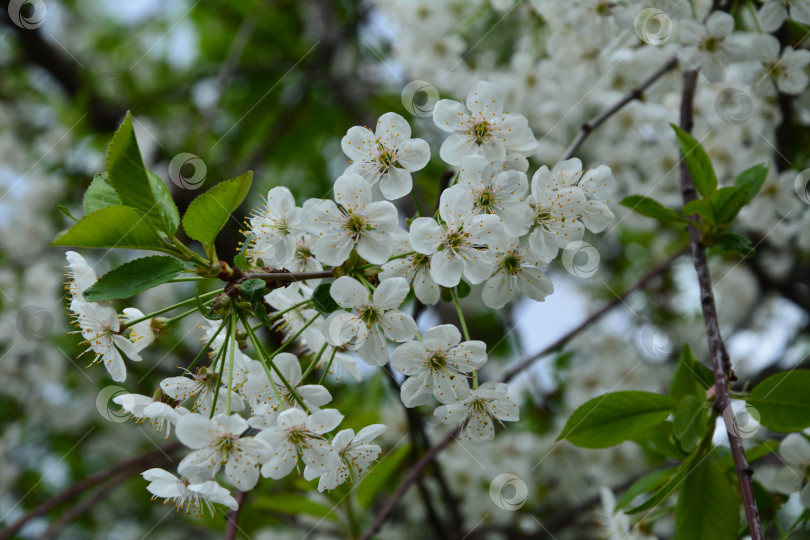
721, 366
635, 93
233, 516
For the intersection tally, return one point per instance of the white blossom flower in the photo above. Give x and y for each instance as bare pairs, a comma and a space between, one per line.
774, 13
80, 274
389, 155
295, 317
437, 366
459, 246
275, 229
795, 476
355, 457
786, 71
99, 326
218, 442
515, 267
334, 359
298, 434
496, 191
476, 412
712, 46
185, 494
275, 396
479, 125
414, 267
201, 387
356, 223
615, 524
159, 415
375, 317
304, 260
141, 333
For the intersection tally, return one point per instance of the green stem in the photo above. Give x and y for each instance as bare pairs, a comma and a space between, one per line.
205, 348
230, 364
295, 336
220, 354
365, 282
182, 279
802, 517
464, 329
416, 203
328, 365
175, 306
181, 316
265, 360
278, 314
314, 362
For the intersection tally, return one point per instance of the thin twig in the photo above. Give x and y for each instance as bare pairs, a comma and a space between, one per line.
635, 93
289, 276
233, 516
69, 515
131, 465
720, 361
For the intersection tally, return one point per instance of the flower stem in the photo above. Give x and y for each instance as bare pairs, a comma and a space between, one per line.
314, 362
181, 316
328, 365
232, 331
220, 354
416, 203
205, 348
278, 314
464, 329
174, 306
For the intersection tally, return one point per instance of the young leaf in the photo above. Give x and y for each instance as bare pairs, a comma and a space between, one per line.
701, 207
261, 314
750, 180
646, 483
697, 162
323, 300
111, 227
127, 174
252, 290
707, 508
667, 490
209, 212
64, 210
612, 418
726, 203
783, 401
463, 289
690, 377
735, 242
165, 202
689, 422
650, 208
133, 277
206, 312
240, 260
99, 195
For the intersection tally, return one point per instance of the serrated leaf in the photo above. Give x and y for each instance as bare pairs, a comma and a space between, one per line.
726, 203
701, 207
99, 194
783, 401
707, 508
322, 299
648, 482
133, 277
294, 505
252, 290
689, 422
209, 212
129, 178
690, 377
113, 226
737, 243
650, 208
165, 202
379, 477
697, 162
612, 418
750, 180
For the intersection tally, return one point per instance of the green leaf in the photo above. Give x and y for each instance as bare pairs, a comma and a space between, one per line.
252, 290
240, 260
646, 483
64, 209
261, 314
650, 208
99, 194
463, 289
736, 243
206, 312
133, 277
135, 187
660, 443
703, 208
380, 476
690, 377
209, 212
697, 162
322, 299
667, 490
114, 226
689, 422
783, 401
707, 508
294, 505
612, 418
750, 180
726, 203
